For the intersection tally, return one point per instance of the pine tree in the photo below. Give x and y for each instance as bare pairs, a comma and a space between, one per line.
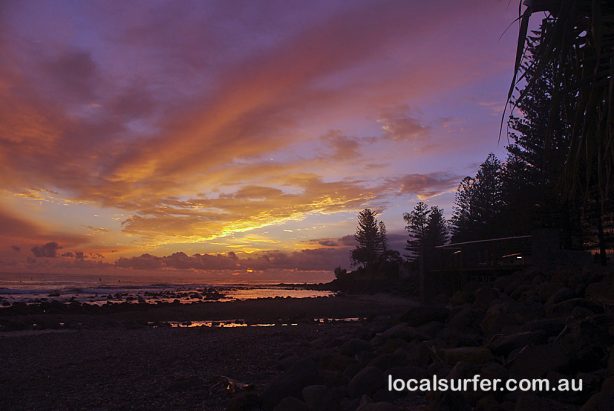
436, 228
417, 223
371, 242
463, 226
541, 140
383, 238
478, 203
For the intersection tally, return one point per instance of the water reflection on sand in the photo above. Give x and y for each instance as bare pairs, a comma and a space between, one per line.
243, 323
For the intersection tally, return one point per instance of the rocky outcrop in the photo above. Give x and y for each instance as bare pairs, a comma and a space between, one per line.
530, 325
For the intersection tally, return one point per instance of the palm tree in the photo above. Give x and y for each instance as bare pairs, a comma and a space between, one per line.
580, 32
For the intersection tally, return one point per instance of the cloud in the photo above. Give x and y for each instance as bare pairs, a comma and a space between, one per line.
343, 147
246, 209
398, 125
169, 113
425, 185
72, 73
46, 250
18, 231
306, 260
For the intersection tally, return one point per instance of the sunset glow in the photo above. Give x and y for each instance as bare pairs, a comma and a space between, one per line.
225, 137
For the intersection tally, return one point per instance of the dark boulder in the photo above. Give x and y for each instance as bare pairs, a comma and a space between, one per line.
504, 344
422, 314
367, 381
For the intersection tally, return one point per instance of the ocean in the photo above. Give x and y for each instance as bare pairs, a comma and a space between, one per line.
36, 288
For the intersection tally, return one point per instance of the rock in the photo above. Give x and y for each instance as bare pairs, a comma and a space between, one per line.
494, 370
318, 397
485, 296
404, 332
367, 381
290, 382
467, 318
430, 329
418, 354
602, 291
509, 316
379, 406
531, 402
333, 378
550, 326
422, 314
489, 403
407, 372
291, 404
601, 401
503, 345
335, 361
352, 370
393, 344
587, 342
470, 355
354, 346
535, 361
561, 295
502, 282
384, 361
244, 401
565, 308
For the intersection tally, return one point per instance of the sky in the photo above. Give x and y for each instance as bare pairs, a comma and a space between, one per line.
237, 140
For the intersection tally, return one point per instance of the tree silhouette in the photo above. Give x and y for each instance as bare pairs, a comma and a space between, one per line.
478, 203
417, 223
371, 240
541, 139
436, 228
581, 32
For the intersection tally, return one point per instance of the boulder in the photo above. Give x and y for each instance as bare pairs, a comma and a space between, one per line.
565, 308
384, 361
550, 326
244, 401
431, 329
367, 381
509, 316
406, 372
379, 406
335, 361
470, 355
422, 314
561, 294
494, 370
484, 296
504, 344
467, 318
535, 361
318, 397
531, 402
291, 404
601, 401
418, 354
354, 346
489, 403
404, 332
290, 382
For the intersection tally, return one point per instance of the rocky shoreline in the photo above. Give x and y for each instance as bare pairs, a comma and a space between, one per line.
533, 324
